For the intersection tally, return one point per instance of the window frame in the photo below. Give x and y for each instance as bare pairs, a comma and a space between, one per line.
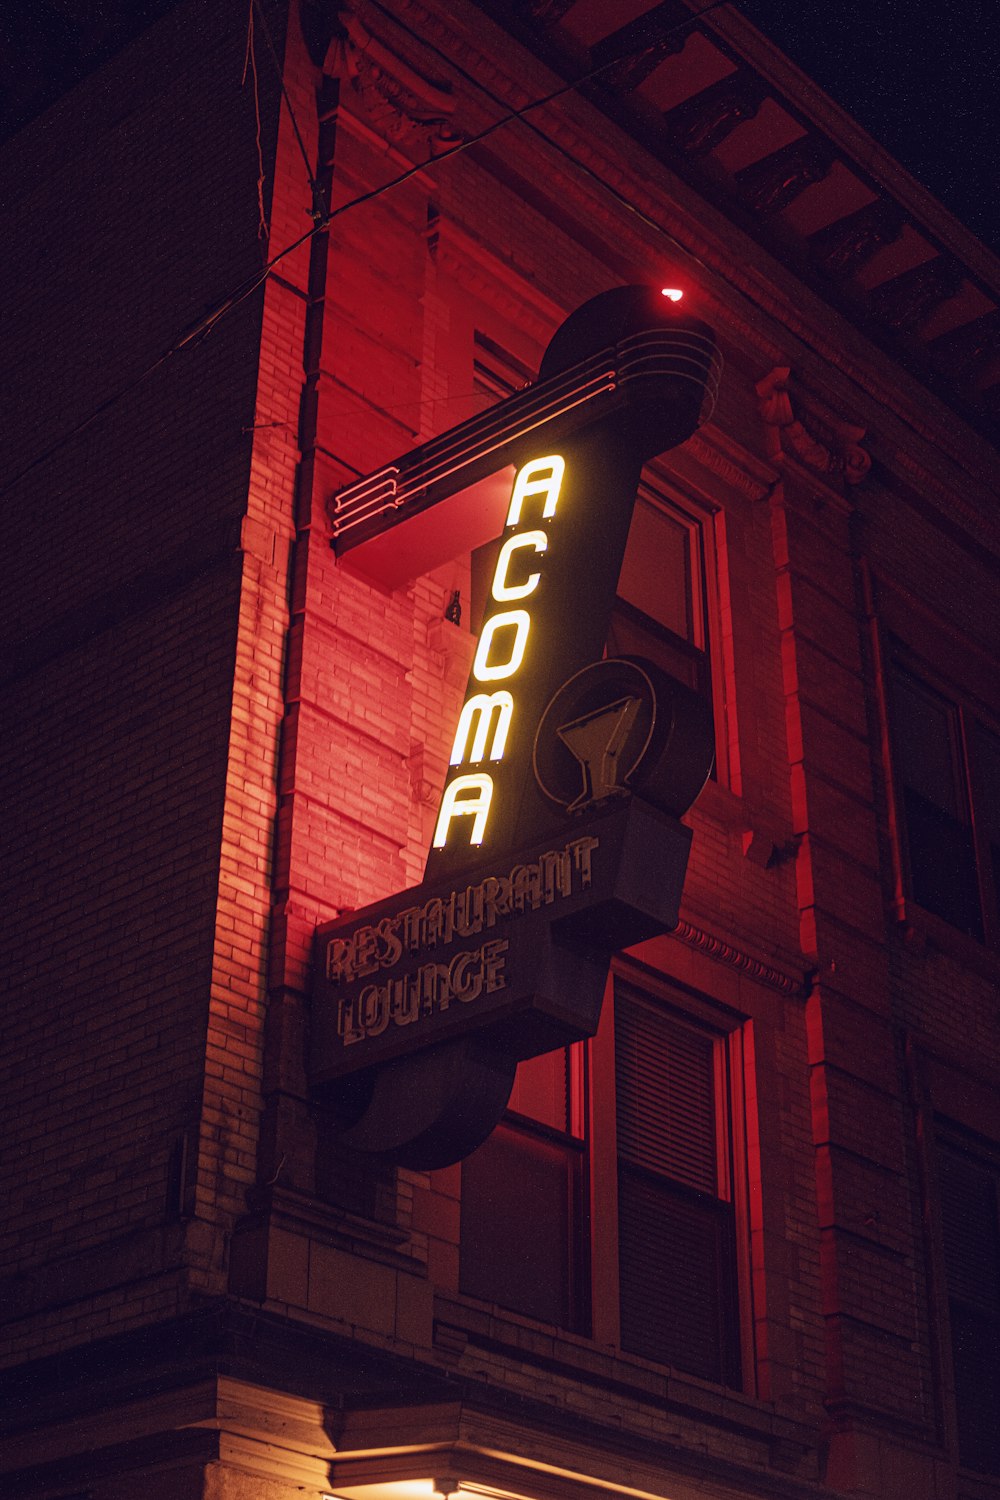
574, 1142
704, 524
728, 1032
953, 1139
966, 716
592, 1133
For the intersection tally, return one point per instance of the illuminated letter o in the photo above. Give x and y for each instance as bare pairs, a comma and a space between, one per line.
503, 591
482, 669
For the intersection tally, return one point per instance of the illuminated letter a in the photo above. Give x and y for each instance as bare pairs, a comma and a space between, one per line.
476, 807
550, 474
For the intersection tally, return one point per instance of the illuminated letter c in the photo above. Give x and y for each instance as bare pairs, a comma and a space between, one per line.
504, 591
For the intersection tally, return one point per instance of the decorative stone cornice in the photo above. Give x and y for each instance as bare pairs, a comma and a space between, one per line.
736, 958
406, 102
906, 302
771, 184
703, 122
973, 507
792, 314
842, 248
716, 452
636, 60
820, 441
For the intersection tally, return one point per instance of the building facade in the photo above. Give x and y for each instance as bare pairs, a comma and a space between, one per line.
745, 1240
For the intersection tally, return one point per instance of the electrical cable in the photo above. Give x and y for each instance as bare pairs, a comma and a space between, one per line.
208, 321
250, 66
314, 187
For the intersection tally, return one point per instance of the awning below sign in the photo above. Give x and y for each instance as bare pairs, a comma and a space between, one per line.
418, 543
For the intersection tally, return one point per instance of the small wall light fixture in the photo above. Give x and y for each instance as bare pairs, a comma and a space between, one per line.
673, 293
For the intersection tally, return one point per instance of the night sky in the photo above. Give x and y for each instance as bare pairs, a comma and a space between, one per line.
923, 80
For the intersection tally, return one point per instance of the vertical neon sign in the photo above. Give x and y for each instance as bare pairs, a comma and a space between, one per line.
485, 721
559, 556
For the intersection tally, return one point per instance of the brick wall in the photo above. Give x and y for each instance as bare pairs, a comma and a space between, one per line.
222, 736
125, 478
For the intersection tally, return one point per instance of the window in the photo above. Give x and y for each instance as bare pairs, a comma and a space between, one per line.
660, 610
676, 1230
666, 602
660, 1276
947, 765
970, 1223
524, 1199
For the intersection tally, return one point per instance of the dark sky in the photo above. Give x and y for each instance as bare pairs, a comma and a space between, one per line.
923, 80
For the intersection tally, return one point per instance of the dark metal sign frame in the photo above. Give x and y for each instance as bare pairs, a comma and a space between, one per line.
549, 411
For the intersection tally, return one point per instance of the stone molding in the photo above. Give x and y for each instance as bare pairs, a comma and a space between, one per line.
809, 432
407, 102
737, 958
715, 450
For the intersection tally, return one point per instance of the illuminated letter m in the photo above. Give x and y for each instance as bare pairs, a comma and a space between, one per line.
479, 711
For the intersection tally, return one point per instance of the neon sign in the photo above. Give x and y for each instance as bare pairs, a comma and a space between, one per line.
572, 770
500, 654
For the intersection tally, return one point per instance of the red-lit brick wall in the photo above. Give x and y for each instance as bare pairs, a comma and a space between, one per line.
222, 736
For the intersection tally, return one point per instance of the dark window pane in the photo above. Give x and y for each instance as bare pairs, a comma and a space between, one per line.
986, 789
940, 844
656, 571
970, 1226
971, 1231
986, 815
942, 860
520, 1197
677, 1276
976, 1360
924, 739
676, 1245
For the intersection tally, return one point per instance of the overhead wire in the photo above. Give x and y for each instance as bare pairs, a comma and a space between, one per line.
564, 151
250, 66
316, 190
208, 321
